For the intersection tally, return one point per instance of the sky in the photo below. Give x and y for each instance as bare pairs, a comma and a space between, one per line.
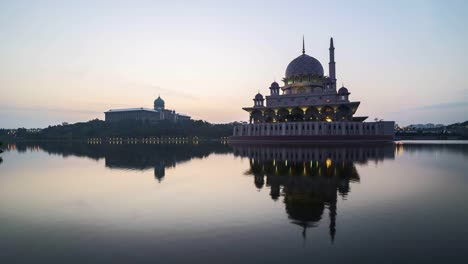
70, 61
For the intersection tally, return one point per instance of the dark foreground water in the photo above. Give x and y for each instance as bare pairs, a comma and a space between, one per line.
214, 203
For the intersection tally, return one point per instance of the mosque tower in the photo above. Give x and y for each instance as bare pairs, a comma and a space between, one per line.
331, 65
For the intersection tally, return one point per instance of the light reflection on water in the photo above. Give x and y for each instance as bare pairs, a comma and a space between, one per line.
72, 202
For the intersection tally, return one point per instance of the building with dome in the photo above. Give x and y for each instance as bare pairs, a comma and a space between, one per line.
158, 113
309, 107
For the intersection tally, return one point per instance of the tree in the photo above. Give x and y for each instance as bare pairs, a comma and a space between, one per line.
128, 129
1, 160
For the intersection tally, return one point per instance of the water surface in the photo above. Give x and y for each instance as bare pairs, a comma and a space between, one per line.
120, 203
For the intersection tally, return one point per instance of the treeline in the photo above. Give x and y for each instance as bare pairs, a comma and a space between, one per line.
457, 125
1, 160
125, 129
453, 131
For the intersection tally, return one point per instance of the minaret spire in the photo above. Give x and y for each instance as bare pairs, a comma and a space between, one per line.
303, 45
331, 64
332, 215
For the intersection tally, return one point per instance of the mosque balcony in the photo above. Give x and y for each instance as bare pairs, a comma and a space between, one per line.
307, 91
352, 105
304, 100
304, 79
318, 82
319, 112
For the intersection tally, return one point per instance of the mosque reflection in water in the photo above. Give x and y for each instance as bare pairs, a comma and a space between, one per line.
309, 179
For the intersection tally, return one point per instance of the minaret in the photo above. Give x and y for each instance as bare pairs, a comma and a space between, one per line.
331, 64
332, 215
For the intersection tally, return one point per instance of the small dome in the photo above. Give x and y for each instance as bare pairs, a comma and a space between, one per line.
343, 90
304, 64
274, 85
259, 96
159, 102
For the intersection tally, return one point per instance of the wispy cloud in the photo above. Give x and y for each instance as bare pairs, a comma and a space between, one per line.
46, 109
440, 106
156, 89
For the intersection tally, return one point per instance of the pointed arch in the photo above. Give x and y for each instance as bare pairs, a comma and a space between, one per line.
283, 115
344, 113
297, 114
328, 114
269, 116
312, 114
257, 116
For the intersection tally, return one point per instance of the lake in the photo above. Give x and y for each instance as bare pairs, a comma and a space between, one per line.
217, 203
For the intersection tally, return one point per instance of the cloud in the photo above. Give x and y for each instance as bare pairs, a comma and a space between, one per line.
442, 106
158, 89
46, 109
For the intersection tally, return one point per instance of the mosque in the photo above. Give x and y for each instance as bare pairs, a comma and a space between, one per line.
309, 107
158, 113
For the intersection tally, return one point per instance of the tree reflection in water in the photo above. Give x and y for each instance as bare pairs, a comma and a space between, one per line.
129, 156
309, 178
1, 160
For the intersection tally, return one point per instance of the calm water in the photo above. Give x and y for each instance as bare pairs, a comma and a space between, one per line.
100, 203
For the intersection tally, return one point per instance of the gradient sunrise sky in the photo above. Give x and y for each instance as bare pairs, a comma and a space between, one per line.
69, 61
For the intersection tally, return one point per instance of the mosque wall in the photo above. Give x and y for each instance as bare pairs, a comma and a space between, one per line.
382, 128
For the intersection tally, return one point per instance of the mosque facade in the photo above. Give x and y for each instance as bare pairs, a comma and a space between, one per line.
309, 107
158, 113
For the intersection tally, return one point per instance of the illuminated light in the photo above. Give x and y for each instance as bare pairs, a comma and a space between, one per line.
328, 119
328, 163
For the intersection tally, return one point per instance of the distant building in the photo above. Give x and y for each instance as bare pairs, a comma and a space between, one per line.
158, 113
